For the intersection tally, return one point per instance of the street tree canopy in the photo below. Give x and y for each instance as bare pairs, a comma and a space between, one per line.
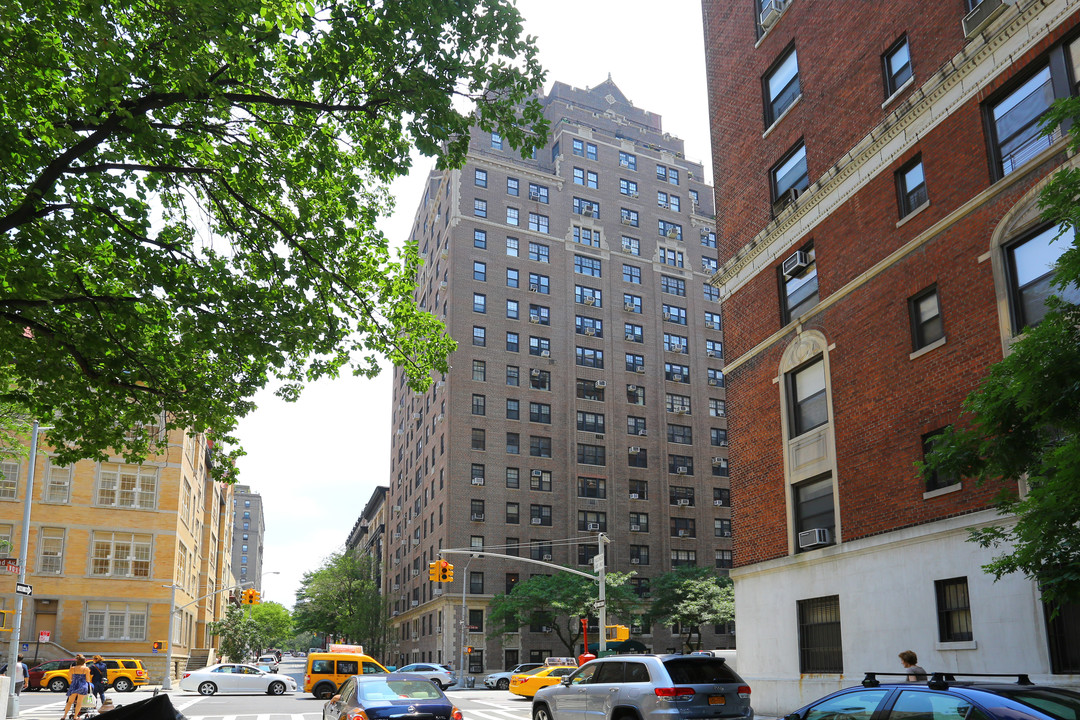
189, 191
342, 599
692, 597
1023, 423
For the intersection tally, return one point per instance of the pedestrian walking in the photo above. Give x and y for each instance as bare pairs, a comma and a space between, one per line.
910, 661
79, 688
99, 675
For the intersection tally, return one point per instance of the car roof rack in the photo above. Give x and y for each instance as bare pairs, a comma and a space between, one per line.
941, 680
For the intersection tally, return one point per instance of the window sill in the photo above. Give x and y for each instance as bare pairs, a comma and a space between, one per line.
960, 645
927, 348
777, 121
898, 92
903, 221
955, 487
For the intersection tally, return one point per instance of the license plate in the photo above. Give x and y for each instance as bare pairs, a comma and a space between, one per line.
717, 700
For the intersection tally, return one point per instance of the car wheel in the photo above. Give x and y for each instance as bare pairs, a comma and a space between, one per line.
541, 712
58, 684
207, 688
123, 685
503, 684
324, 692
276, 688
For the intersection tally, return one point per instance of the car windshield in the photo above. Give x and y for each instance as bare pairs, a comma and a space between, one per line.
1055, 702
533, 671
395, 689
699, 672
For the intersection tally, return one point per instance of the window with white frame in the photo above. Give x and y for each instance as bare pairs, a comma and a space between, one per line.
116, 554
539, 223
480, 208
586, 236
512, 247
631, 245
115, 621
57, 483
9, 479
128, 486
6, 530
628, 217
807, 397
627, 160
51, 551
628, 187
512, 216
781, 85
539, 252
674, 314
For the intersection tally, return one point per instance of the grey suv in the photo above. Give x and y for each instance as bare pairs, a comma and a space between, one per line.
647, 687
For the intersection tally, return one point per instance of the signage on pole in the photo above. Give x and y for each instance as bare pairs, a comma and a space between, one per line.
44, 636
598, 562
25, 646
24, 589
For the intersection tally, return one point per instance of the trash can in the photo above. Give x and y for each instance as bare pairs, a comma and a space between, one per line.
470, 682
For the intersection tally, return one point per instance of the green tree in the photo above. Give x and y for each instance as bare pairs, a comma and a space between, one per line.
275, 622
241, 635
559, 601
692, 597
342, 599
189, 191
1022, 425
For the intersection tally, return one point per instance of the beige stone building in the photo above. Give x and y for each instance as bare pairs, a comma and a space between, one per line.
107, 542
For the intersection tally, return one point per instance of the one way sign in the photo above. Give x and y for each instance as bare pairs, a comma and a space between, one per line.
24, 589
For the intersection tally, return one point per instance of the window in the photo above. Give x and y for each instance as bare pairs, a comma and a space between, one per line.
540, 347
539, 315
538, 223
476, 624
587, 266
539, 252
935, 481
591, 454
513, 443
806, 394
587, 236
1030, 269
512, 248
476, 587
714, 349
513, 409
637, 457
635, 394
673, 175
540, 413
723, 558
538, 193
632, 303
479, 405
683, 527
480, 178
627, 160
476, 542
590, 151
476, 510
718, 437
513, 478
814, 509
592, 180
631, 245
479, 271
512, 309
673, 372
911, 187
669, 229
479, 336
590, 422
661, 173
681, 464
639, 522
631, 274
589, 357
628, 217
578, 147
712, 321
579, 176
50, 551
541, 513
897, 65
539, 446
58, 484
590, 487
790, 174
115, 621
120, 554
672, 286
586, 208
820, 649
480, 208
512, 342
587, 390
478, 470
513, 186
496, 141
540, 480
679, 404
709, 265
953, 610
675, 343
1015, 129
634, 362
512, 375
721, 528
639, 554
9, 479
479, 239
674, 314
587, 296
681, 434
539, 283
479, 439
710, 293
639, 490
673, 258
800, 290
721, 497
628, 187
539, 379
635, 425
128, 486
633, 333
479, 303
479, 370
593, 327
512, 216
708, 238
926, 326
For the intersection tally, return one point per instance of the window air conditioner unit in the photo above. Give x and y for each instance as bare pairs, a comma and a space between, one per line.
600, 384
788, 197
710, 353
642, 432
534, 196
438, 630
415, 542
442, 284
673, 233
547, 557
477, 517
718, 503
414, 603
770, 13
626, 220
677, 377
717, 460
629, 307
535, 372
545, 353
631, 388
682, 501
587, 211
437, 592
478, 481
415, 572
635, 528
634, 449
667, 316
536, 521
590, 331
640, 369
397, 587
624, 162
395, 613
593, 526
397, 536
795, 264
681, 470
537, 473
814, 538
713, 382
534, 319
397, 508
682, 533
635, 561
633, 193
635, 496
630, 336
590, 300
545, 629
983, 14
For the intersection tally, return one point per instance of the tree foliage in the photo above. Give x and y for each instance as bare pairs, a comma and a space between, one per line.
1023, 423
559, 601
275, 622
692, 597
342, 599
189, 191
241, 635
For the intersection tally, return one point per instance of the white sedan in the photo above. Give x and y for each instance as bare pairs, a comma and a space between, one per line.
236, 678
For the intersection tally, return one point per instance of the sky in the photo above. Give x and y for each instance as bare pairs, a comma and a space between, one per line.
315, 462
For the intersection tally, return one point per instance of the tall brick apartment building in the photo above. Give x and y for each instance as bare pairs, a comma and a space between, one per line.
877, 170
587, 391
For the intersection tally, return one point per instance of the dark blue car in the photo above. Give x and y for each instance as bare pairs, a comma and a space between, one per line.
945, 697
374, 697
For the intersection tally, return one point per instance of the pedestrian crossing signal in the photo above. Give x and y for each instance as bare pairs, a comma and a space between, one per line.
159, 645
468, 650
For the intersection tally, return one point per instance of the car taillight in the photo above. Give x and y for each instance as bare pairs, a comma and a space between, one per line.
140, 673
744, 692
356, 714
186, 676
456, 715
674, 694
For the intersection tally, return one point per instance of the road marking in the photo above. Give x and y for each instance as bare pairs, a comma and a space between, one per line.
486, 715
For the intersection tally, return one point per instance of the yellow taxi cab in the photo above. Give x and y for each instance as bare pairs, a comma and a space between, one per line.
124, 674
326, 671
550, 673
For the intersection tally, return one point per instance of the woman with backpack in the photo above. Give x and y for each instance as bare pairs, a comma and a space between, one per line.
99, 677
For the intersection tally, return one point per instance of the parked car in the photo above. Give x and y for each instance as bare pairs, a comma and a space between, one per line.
648, 687
236, 678
501, 680
125, 674
393, 695
945, 696
270, 660
529, 682
435, 673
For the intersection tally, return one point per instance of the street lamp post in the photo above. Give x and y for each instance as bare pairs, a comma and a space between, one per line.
13, 650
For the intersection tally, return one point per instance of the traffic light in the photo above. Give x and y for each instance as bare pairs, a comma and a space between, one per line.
159, 645
616, 633
245, 597
255, 599
468, 650
433, 571
446, 572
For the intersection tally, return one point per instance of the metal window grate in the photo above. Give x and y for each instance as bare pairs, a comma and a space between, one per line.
820, 649
954, 610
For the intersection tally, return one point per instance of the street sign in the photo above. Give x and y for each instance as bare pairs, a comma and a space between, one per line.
8, 561
13, 569
598, 562
44, 636
25, 646
24, 589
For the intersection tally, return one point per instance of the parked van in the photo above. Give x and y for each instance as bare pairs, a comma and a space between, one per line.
125, 674
326, 671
